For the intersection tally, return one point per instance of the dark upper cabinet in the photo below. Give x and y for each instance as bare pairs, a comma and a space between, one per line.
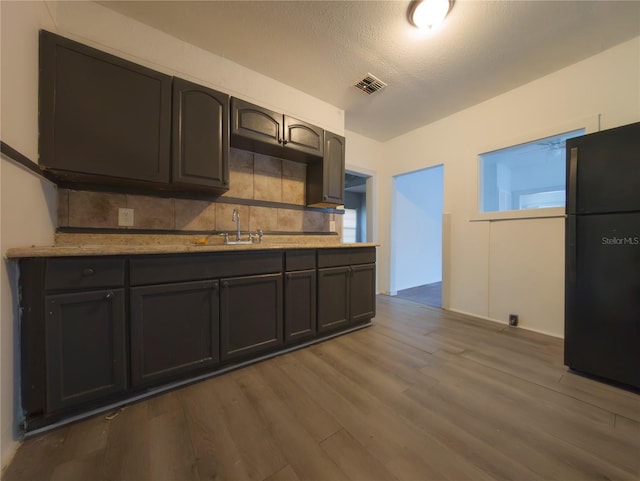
255, 128
325, 177
302, 137
85, 343
250, 315
174, 330
267, 132
200, 147
102, 117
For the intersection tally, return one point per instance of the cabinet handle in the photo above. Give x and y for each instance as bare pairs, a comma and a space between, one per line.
225, 284
88, 271
109, 296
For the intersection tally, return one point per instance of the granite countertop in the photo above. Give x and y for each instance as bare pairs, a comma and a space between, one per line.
68, 245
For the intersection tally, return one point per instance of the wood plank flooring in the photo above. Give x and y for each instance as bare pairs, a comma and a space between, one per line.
424, 394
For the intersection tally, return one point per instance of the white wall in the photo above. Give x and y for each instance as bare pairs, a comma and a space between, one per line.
417, 228
515, 265
28, 204
366, 156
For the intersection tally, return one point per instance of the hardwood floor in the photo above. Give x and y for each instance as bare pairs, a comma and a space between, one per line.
424, 394
429, 294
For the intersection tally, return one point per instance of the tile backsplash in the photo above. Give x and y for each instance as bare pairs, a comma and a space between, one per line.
251, 177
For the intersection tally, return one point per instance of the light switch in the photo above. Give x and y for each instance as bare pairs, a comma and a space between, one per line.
125, 217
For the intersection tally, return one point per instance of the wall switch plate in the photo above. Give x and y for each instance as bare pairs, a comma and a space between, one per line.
332, 225
125, 217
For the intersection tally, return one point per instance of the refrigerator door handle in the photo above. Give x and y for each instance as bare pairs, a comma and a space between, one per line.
573, 178
571, 251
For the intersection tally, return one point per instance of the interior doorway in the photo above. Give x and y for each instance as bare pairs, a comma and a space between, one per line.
416, 254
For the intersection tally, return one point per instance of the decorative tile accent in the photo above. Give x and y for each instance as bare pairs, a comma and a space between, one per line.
315, 221
293, 191
290, 220
224, 213
252, 176
265, 218
195, 215
152, 212
94, 209
267, 187
63, 208
338, 218
294, 170
267, 165
240, 174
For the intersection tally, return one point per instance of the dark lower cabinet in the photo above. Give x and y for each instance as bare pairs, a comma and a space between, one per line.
346, 287
250, 315
333, 298
362, 293
85, 347
299, 305
98, 330
174, 330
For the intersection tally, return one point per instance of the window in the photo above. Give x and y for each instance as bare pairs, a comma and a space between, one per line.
525, 176
349, 225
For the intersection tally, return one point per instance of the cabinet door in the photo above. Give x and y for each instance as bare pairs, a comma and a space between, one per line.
200, 153
299, 305
325, 178
333, 167
102, 115
363, 293
250, 314
333, 298
303, 137
85, 347
256, 129
174, 330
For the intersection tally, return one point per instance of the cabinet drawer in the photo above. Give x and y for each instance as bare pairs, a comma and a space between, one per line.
363, 255
158, 270
346, 256
300, 260
84, 272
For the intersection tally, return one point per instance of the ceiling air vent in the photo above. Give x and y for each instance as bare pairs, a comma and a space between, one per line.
370, 84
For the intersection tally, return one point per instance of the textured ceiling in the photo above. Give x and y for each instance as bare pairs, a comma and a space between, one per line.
482, 49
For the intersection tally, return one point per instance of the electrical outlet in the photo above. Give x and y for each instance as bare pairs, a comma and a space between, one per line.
513, 320
125, 217
332, 225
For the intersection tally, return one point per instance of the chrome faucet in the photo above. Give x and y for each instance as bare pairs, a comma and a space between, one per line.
236, 218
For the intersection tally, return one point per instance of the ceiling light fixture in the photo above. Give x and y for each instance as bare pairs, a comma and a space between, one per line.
429, 13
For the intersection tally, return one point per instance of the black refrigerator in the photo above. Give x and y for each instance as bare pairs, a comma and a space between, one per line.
602, 271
